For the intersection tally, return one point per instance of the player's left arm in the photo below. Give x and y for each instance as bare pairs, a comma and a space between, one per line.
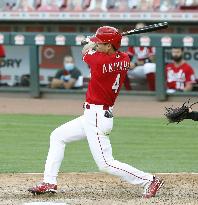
190, 79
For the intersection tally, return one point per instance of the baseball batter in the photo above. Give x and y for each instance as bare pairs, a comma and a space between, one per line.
108, 67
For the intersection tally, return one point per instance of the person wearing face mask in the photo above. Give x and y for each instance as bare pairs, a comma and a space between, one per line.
179, 74
69, 77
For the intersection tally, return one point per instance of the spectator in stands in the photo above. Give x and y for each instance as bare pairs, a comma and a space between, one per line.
143, 64
69, 78
179, 74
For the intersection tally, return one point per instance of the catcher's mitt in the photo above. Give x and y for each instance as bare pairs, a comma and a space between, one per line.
178, 114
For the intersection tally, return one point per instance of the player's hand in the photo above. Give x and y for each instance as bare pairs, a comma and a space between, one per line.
132, 65
89, 46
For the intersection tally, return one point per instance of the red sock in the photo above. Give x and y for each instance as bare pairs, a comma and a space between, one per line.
151, 81
127, 84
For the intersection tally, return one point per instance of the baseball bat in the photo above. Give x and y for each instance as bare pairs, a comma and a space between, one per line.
145, 29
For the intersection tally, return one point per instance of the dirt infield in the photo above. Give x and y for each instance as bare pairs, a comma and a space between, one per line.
72, 105
98, 189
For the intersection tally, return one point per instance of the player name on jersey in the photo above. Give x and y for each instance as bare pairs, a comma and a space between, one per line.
117, 66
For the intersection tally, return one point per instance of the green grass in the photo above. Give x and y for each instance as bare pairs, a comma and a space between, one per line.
147, 144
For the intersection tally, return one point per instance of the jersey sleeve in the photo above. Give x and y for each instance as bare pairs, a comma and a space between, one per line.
90, 57
190, 75
2, 52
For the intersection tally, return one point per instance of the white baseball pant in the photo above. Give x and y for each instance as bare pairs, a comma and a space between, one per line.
140, 72
94, 126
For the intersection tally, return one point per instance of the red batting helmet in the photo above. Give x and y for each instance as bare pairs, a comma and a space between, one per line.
107, 34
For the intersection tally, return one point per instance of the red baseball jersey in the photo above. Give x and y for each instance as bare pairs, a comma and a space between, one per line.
141, 52
2, 52
177, 77
108, 73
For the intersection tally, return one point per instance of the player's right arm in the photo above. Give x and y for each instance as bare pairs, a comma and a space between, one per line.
90, 56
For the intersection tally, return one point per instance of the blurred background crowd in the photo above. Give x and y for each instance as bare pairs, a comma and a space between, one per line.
98, 5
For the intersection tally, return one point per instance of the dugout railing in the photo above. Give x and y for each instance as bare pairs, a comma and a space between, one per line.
34, 40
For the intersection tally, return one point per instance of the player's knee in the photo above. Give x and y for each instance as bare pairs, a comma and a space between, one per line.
149, 68
55, 135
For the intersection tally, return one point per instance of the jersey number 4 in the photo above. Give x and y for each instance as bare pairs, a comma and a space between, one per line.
116, 84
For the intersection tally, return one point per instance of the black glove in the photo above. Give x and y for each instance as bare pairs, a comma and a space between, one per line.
178, 114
